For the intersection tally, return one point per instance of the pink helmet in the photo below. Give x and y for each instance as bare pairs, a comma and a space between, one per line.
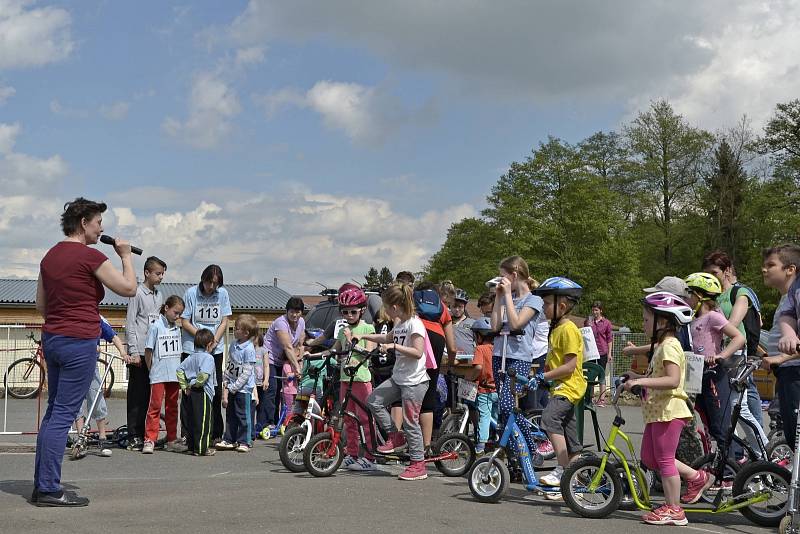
669, 304
351, 295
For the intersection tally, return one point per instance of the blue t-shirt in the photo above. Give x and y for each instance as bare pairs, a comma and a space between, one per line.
240, 372
200, 362
205, 312
521, 347
165, 342
106, 332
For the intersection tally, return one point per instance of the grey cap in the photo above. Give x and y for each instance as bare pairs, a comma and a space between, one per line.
672, 284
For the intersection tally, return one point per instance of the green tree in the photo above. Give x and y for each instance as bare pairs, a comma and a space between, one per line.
372, 278
385, 278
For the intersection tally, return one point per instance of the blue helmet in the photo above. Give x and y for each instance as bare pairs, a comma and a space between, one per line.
482, 325
559, 286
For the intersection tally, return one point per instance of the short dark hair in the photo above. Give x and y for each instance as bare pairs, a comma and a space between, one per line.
486, 298
76, 211
406, 277
151, 262
788, 253
597, 304
718, 258
425, 285
295, 303
202, 338
211, 272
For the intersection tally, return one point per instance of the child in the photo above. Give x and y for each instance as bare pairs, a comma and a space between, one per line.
238, 383
486, 401
408, 382
289, 385
352, 303
262, 382
163, 354
564, 367
197, 377
143, 310
664, 408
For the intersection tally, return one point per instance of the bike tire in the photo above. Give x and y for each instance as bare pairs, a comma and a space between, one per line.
24, 378
109, 382
459, 444
604, 501
451, 423
488, 479
778, 450
775, 477
314, 456
291, 449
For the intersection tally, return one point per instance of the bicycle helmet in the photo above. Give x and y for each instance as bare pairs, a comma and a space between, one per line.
559, 286
462, 295
707, 283
664, 303
482, 326
351, 295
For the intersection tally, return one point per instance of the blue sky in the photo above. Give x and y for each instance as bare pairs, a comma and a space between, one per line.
309, 141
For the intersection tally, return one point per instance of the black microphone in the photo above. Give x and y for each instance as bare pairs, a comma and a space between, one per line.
108, 240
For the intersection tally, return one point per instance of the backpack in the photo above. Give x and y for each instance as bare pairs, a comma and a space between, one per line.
428, 304
752, 319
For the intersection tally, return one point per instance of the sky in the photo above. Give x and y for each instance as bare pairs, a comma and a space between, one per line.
307, 141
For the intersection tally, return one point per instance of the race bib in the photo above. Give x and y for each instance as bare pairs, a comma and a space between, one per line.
467, 390
340, 323
693, 383
152, 317
207, 314
233, 370
169, 344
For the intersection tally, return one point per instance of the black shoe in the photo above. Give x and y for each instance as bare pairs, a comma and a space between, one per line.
66, 499
34, 496
135, 445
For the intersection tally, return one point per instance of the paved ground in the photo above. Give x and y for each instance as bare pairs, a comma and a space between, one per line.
233, 492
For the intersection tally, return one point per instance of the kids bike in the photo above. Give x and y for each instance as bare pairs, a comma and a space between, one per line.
313, 417
490, 476
453, 453
592, 486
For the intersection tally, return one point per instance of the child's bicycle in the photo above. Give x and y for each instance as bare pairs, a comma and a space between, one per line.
453, 453
592, 486
313, 418
490, 476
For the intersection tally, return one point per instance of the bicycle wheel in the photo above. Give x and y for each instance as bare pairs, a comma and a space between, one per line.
488, 479
24, 378
109, 381
575, 483
462, 447
291, 449
320, 458
760, 476
779, 452
706, 463
541, 441
451, 423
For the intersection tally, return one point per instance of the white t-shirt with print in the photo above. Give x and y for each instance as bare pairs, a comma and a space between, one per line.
409, 371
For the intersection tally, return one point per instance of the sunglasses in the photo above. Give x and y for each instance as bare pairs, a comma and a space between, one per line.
350, 312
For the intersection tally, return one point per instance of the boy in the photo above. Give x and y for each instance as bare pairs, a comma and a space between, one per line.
143, 310
564, 365
780, 272
238, 383
486, 401
197, 376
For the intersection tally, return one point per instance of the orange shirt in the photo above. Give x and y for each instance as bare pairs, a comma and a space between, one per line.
483, 357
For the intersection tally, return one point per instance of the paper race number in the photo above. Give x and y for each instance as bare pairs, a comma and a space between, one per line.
467, 390
169, 345
152, 317
207, 314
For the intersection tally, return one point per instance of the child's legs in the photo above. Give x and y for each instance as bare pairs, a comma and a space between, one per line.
153, 421
138, 398
288, 402
558, 420
350, 427
661, 439
188, 421
362, 390
428, 406
201, 409
239, 407
750, 434
412, 404
172, 393
377, 401
484, 404
230, 420
789, 397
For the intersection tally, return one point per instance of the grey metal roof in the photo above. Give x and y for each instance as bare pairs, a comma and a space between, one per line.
254, 297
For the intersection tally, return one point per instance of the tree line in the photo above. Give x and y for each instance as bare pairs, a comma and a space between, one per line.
620, 209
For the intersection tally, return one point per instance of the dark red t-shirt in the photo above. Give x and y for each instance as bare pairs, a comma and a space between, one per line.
72, 290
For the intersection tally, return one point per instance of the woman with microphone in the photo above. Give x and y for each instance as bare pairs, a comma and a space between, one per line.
69, 291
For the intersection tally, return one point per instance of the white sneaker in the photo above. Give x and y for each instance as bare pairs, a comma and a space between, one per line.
105, 450
148, 447
225, 446
361, 464
554, 478
348, 461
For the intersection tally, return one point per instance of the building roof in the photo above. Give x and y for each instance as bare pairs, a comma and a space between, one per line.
254, 297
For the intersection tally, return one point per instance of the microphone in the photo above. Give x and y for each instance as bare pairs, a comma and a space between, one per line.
108, 240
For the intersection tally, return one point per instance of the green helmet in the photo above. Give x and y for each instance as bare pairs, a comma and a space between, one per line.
707, 283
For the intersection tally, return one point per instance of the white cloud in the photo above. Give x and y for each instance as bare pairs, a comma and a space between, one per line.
252, 55
213, 104
31, 37
6, 92
64, 111
116, 111
8, 137
22, 173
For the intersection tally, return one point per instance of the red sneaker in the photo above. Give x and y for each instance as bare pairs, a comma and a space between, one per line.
666, 515
696, 487
395, 443
415, 471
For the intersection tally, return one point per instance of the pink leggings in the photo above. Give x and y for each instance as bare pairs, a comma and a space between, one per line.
659, 443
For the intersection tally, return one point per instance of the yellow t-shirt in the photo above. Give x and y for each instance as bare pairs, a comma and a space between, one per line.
666, 404
567, 339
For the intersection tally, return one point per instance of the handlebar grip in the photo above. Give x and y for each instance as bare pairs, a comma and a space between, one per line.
636, 390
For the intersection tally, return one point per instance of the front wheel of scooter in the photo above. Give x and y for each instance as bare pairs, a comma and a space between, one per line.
459, 445
786, 522
78, 450
575, 488
320, 457
761, 476
488, 479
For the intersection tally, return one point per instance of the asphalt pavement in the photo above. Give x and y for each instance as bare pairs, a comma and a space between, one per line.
235, 492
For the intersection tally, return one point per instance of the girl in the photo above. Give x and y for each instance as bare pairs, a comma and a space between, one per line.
664, 407
289, 387
352, 302
163, 355
208, 306
408, 382
262, 382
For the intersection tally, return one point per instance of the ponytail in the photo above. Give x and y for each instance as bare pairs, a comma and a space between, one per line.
532, 283
401, 295
171, 302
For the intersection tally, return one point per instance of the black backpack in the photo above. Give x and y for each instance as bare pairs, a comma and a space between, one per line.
752, 319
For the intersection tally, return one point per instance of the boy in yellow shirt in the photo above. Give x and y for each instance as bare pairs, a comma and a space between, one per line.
564, 367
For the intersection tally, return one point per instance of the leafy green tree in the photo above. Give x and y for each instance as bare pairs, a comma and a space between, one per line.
385, 278
372, 278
